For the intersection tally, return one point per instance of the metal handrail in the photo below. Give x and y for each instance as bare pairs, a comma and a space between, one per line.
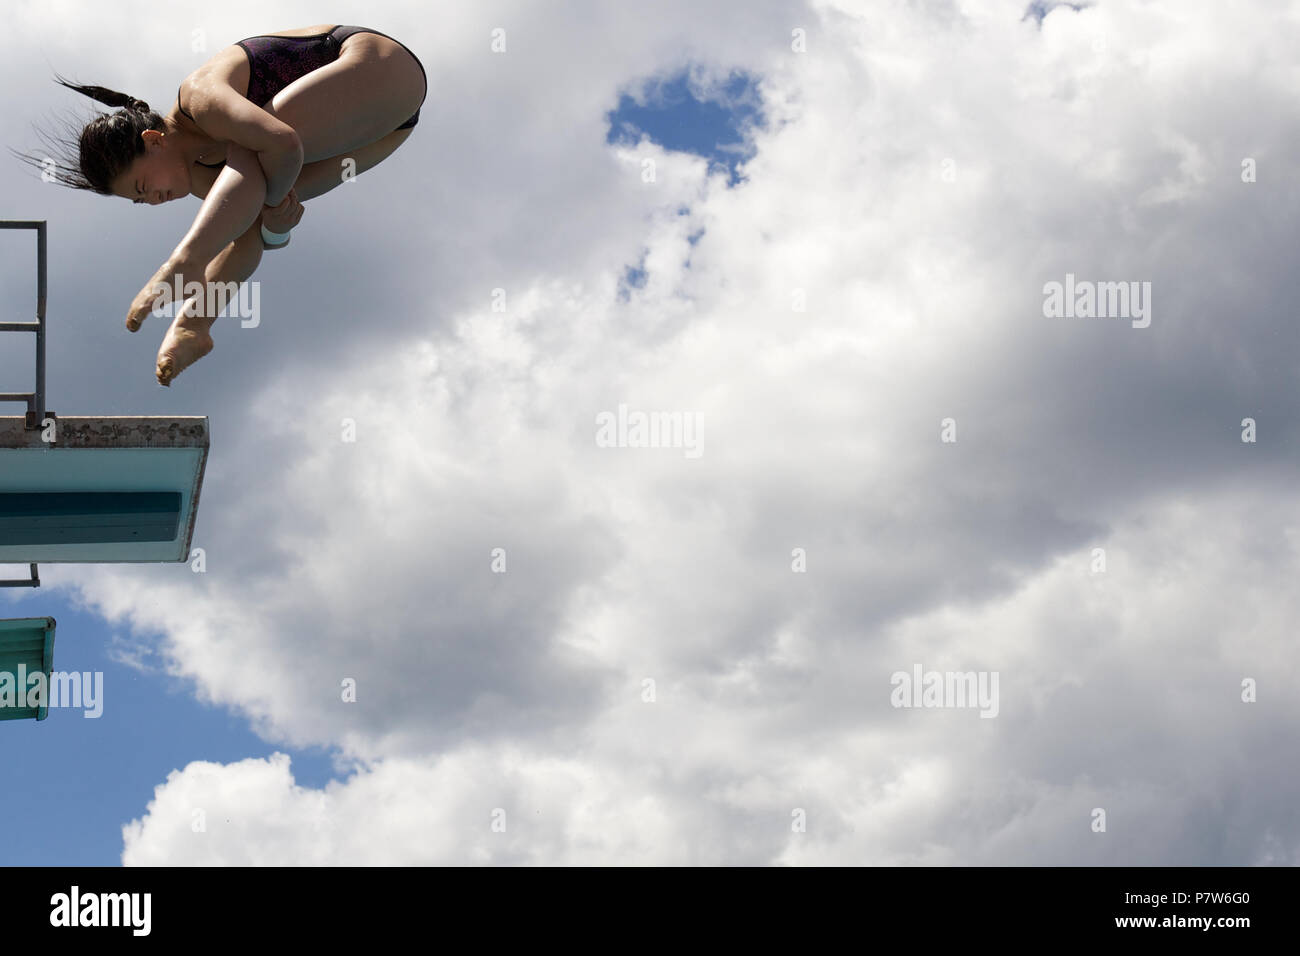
35, 581
35, 400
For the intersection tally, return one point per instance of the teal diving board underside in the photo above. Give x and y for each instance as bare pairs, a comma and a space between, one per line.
26, 648
89, 517
107, 490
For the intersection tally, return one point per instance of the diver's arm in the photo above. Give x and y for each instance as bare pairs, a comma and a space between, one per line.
225, 115
231, 206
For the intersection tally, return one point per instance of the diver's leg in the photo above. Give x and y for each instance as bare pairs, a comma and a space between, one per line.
370, 90
189, 339
320, 177
240, 259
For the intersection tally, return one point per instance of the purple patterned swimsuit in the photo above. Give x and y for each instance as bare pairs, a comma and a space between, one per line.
275, 62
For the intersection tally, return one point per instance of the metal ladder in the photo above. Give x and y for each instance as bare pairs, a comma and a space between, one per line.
35, 401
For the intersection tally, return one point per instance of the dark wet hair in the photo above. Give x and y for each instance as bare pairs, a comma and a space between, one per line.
96, 154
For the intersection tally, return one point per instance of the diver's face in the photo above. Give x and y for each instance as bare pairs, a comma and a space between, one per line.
159, 176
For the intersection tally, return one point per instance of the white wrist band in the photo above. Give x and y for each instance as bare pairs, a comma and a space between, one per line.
274, 238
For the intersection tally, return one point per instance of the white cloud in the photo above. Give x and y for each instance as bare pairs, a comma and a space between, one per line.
1119, 691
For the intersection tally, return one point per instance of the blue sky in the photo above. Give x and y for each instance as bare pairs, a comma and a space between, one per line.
675, 118
74, 780
668, 112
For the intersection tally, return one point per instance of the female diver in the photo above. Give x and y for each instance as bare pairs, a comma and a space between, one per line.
263, 126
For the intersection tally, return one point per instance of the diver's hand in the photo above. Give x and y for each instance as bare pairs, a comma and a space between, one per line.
283, 217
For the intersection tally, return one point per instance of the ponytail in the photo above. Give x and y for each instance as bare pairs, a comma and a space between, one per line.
105, 147
106, 96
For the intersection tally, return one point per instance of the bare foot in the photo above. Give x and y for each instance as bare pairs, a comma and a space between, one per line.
186, 342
